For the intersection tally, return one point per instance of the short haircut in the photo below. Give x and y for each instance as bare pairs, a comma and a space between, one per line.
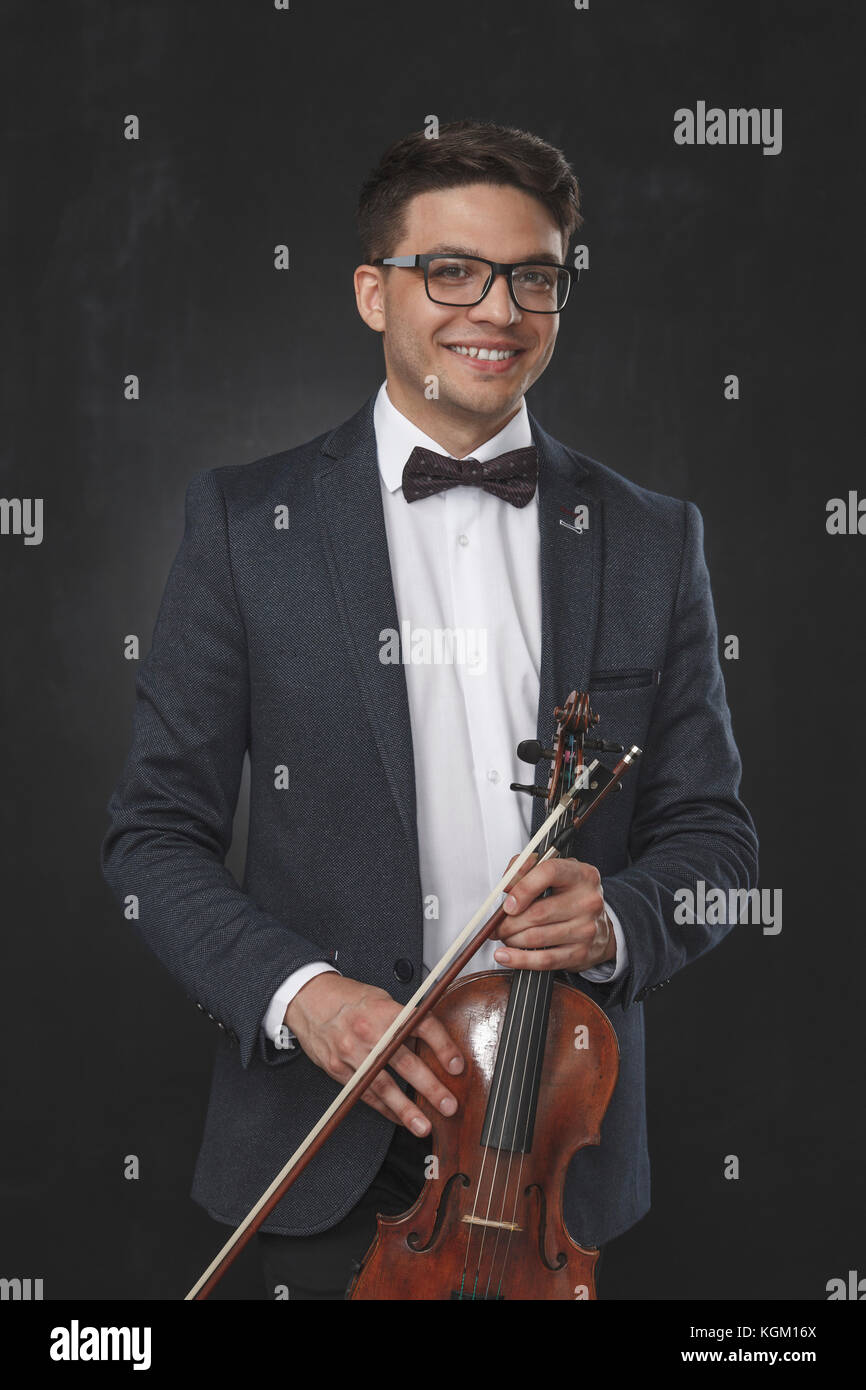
465, 152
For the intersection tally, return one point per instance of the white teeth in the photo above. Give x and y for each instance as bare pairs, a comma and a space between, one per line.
486, 354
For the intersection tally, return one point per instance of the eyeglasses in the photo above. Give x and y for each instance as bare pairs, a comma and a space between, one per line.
540, 287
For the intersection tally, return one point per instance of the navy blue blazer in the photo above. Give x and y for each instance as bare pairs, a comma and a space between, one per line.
267, 641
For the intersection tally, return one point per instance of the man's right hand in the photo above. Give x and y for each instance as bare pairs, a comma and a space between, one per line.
338, 1023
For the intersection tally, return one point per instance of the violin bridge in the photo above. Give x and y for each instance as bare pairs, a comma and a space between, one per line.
498, 1225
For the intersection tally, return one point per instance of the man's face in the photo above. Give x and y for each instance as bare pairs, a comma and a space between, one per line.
502, 224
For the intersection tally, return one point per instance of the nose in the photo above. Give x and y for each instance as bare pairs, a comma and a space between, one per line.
497, 306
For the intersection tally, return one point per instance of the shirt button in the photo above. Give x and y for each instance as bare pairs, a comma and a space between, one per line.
493, 775
404, 970
462, 540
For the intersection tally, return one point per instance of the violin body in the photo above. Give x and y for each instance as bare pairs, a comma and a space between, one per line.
488, 1223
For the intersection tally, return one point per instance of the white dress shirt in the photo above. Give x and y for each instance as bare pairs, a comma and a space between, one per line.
464, 563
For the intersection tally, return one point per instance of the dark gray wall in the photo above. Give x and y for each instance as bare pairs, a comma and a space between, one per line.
155, 257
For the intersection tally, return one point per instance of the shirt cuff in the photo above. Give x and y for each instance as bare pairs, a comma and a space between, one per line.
272, 1023
610, 970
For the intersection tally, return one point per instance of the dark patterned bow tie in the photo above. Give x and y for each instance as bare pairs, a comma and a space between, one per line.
511, 476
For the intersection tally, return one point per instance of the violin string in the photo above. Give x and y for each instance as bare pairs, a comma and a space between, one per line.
552, 831
536, 988
539, 982
494, 1113
533, 990
497, 1114
534, 984
513, 1218
536, 981
527, 976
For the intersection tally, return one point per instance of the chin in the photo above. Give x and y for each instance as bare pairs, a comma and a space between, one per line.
488, 397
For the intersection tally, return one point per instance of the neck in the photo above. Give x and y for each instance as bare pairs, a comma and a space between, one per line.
458, 434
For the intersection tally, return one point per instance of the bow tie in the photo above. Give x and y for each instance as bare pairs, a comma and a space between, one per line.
511, 476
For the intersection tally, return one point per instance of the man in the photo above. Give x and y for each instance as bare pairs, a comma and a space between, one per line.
298, 623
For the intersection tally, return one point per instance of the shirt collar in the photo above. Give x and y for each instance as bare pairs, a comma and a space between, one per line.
397, 436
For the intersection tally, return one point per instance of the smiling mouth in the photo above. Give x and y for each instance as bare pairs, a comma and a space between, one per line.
484, 354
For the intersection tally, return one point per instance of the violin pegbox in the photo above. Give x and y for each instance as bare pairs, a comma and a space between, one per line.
573, 722
569, 769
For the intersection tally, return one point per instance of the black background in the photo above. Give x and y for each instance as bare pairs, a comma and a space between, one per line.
156, 257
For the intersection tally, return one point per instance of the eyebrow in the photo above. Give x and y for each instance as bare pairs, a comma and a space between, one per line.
536, 257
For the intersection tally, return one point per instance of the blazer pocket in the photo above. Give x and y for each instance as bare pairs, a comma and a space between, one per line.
626, 679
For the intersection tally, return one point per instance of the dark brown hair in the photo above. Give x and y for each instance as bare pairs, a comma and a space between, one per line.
465, 152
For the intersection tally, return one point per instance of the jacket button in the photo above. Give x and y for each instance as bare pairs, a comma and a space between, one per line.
404, 970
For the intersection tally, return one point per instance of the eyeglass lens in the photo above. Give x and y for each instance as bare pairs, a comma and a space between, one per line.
463, 280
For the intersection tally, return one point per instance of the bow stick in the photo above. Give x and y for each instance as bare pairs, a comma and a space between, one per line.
430, 992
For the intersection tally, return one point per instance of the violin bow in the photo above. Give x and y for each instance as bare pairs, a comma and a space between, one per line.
428, 994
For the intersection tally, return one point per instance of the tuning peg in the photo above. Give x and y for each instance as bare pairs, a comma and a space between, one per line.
604, 745
530, 791
531, 751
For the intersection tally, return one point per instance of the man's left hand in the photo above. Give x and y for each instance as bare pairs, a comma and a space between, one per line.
569, 930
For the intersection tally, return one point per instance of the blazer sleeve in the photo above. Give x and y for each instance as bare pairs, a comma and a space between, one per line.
171, 814
689, 823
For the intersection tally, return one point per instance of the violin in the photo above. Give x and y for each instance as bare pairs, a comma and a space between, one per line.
541, 1065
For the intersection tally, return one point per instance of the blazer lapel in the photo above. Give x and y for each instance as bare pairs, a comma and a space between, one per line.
570, 581
352, 524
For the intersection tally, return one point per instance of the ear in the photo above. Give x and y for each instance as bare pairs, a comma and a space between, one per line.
370, 296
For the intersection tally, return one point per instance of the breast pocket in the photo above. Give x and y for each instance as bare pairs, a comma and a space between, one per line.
630, 678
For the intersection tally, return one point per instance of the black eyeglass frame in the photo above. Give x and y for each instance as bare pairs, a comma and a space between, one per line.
423, 260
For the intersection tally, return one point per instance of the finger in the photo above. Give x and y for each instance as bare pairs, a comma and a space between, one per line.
370, 1098
413, 1070
560, 933
552, 873
582, 884
439, 1040
561, 906
565, 907
342, 1072
550, 958
382, 1092
405, 1112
